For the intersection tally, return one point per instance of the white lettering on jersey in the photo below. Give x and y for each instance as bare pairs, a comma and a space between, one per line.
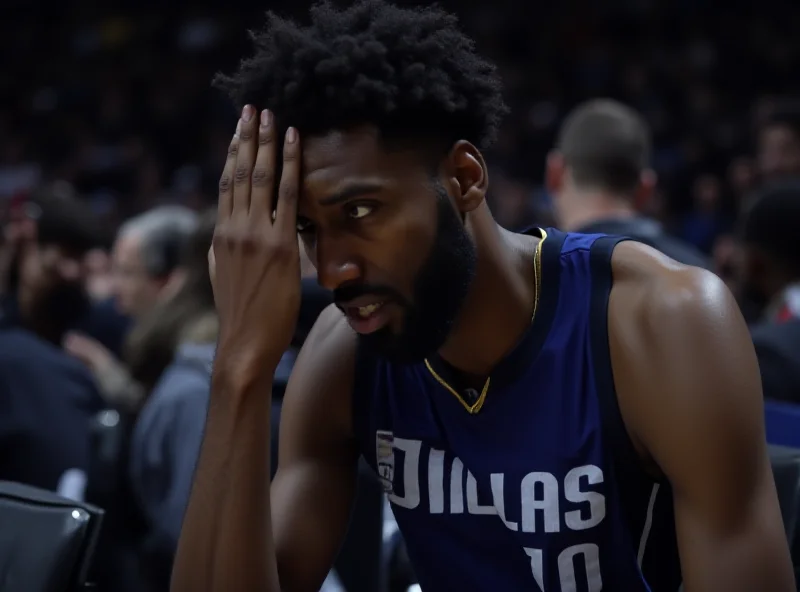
547, 504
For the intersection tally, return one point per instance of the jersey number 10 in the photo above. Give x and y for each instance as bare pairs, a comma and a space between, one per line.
566, 568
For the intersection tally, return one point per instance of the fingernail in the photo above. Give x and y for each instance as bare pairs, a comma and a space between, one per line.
291, 135
266, 117
247, 113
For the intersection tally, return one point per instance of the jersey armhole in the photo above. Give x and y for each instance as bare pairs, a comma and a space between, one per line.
637, 489
614, 430
628, 466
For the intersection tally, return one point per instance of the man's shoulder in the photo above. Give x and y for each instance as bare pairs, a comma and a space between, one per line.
319, 392
331, 336
28, 357
656, 301
329, 353
650, 282
19, 346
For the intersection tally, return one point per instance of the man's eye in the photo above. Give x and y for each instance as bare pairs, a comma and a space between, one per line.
359, 211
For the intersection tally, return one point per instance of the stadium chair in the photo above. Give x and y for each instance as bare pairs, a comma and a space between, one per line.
46, 541
786, 470
782, 423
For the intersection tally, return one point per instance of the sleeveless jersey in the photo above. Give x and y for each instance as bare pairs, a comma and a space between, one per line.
532, 484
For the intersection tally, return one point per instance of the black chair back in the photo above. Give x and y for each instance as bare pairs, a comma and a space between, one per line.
46, 541
786, 470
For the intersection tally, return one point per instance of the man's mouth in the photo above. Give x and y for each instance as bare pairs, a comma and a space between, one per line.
366, 315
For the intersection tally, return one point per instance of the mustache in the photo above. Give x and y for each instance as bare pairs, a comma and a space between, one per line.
351, 291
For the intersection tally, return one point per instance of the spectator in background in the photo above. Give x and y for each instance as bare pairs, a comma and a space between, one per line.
47, 399
146, 256
169, 429
45, 286
146, 272
599, 178
770, 275
779, 142
770, 266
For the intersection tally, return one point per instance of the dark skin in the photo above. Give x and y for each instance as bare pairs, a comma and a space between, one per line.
663, 319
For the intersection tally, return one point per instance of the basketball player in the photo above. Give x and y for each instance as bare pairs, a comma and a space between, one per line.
546, 411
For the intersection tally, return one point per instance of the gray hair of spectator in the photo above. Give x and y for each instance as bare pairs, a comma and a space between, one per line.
152, 342
606, 145
163, 232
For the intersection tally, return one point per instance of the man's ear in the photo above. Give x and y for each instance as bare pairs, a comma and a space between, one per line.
466, 176
554, 174
645, 190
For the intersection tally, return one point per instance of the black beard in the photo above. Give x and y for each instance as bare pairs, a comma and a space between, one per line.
440, 288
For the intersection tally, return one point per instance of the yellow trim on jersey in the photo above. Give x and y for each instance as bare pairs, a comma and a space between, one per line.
470, 408
537, 278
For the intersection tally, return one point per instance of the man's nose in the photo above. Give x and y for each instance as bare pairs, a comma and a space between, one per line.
69, 269
336, 265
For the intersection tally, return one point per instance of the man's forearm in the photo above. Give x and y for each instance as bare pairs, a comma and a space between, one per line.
226, 540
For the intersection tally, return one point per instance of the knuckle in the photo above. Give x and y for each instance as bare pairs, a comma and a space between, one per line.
224, 183
246, 133
278, 246
282, 250
288, 192
219, 239
266, 137
262, 177
241, 174
233, 148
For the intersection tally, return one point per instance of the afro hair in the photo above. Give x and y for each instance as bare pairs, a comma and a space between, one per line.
409, 72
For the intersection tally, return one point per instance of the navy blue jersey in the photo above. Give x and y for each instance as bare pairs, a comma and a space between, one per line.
531, 483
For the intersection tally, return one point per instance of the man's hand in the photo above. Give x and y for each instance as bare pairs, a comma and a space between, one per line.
227, 537
254, 260
113, 379
89, 351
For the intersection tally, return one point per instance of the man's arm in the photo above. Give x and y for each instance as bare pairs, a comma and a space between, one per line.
313, 489
689, 390
311, 494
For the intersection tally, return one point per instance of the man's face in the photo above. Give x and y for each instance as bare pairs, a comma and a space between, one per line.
135, 290
387, 239
51, 277
778, 152
751, 266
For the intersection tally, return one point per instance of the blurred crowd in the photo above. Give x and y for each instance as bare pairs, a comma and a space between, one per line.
112, 139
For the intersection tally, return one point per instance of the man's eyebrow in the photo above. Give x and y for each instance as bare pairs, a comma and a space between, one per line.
351, 191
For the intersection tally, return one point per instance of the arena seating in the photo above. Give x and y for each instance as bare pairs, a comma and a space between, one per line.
786, 469
46, 540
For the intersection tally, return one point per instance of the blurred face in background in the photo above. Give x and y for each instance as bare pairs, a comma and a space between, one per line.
135, 290
759, 279
51, 293
97, 270
778, 152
